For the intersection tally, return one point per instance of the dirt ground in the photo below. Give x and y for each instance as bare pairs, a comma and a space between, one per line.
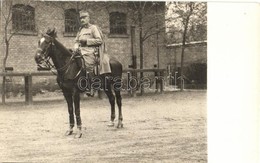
171, 127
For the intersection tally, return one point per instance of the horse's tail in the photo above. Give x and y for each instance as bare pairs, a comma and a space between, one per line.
116, 67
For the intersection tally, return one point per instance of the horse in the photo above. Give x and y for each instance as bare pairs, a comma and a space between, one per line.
70, 74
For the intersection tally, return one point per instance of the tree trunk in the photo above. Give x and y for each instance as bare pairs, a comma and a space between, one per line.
6, 55
141, 40
141, 62
7, 19
157, 39
4, 66
140, 16
186, 24
141, 52
182, 51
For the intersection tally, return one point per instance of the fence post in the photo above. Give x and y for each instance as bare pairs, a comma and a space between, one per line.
141, 83
134, 64
156, 81
133, 89
128, 88
161, 81
3, 90
100, 94
28, 89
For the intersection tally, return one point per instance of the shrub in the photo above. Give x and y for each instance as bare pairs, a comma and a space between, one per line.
196, 73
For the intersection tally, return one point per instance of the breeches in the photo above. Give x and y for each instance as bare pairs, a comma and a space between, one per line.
89, 62
88, 55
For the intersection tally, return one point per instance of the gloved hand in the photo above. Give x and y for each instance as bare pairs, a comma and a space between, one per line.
76, 46
83, 43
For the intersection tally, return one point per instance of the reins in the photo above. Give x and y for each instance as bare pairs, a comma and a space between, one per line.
46, 61
64, 68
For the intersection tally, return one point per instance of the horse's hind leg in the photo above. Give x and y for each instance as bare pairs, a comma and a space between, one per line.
119, 104
68, 97
111, 98
77, 113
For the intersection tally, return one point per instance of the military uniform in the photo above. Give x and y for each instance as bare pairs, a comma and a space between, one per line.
88, 40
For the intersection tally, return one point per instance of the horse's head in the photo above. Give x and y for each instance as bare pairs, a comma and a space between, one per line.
44, 46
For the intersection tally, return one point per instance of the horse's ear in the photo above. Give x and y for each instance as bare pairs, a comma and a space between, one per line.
51, 32
54, 33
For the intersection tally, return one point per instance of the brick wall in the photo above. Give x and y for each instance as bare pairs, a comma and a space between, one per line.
193, 54
50, 14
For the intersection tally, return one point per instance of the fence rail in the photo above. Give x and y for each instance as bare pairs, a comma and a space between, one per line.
28, 81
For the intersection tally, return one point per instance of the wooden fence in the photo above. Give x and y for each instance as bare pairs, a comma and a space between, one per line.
28, 77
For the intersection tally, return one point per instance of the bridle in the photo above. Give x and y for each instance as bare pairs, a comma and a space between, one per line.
46, 63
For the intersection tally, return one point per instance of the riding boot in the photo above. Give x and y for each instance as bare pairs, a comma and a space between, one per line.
89, 90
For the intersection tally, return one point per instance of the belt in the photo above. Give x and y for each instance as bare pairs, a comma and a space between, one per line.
85, 45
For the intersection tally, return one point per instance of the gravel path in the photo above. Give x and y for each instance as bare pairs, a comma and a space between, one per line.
171, 127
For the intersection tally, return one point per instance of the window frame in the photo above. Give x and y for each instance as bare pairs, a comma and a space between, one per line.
118, 26
74, 20
23, 20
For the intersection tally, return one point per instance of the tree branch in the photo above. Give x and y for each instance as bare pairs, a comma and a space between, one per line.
10, 11
12, 34
3, 14
151, 34
144, 6
135, 5
149, 30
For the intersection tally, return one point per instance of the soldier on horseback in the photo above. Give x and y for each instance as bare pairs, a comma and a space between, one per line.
90, 43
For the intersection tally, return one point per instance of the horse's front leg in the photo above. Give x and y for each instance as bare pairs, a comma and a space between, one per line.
77, 112
68, 97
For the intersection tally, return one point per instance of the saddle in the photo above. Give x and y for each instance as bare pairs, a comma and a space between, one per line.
81, 61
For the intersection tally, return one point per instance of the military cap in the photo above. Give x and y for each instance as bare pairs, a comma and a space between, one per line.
83, 13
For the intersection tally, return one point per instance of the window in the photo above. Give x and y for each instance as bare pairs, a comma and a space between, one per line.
71, 21
117, 23
23, 18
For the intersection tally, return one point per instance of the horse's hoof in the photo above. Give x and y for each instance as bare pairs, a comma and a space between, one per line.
78, 135
90, 94
69, 132
111, 124
120, 125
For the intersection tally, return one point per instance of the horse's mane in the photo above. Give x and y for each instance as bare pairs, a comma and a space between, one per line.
62, 48
51, 32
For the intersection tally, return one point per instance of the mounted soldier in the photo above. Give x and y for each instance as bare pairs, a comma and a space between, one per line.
90, 43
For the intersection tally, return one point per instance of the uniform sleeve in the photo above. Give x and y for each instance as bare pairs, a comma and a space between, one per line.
96, 40
76, 41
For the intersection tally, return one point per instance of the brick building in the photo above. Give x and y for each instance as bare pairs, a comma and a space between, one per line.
114, 18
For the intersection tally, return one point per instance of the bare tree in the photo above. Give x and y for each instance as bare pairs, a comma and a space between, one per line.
9, 30
7, 15
146, 16
185, 16
148, 19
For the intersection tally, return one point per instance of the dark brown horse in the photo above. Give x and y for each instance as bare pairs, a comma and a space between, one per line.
71, 77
